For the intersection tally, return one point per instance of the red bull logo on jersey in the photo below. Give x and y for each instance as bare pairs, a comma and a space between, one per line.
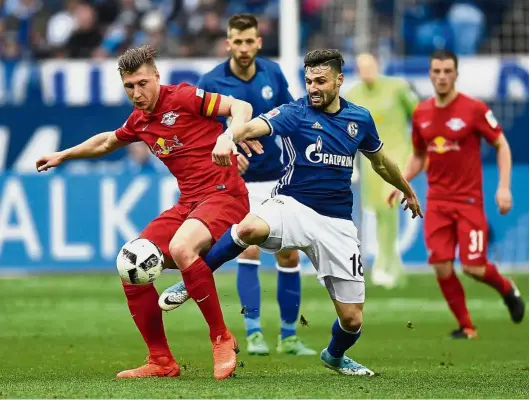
164, 147
455, 124
169, 118
442, 145
314, 155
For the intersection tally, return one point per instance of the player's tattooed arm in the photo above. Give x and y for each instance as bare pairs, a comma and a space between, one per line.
225, 145
97, 146
389, 171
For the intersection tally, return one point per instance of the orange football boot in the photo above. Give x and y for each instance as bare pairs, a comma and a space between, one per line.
224, 355
158, 367
464, 333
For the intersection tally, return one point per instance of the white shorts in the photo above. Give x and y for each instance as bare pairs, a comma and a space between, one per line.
349, 292
330, 243
258, 192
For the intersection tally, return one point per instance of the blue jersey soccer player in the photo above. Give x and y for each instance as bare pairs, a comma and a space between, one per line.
312, 203
261, 83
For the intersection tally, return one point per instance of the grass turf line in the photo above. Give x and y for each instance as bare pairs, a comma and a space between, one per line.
67, 336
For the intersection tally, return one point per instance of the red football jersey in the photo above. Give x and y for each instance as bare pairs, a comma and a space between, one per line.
451, 137
182, 132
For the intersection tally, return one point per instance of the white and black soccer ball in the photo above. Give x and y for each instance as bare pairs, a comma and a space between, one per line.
140, 261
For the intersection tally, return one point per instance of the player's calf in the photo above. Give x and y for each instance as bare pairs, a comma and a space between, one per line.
352, 318
489, 275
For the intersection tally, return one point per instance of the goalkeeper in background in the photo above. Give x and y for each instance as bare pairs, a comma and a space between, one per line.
391, 101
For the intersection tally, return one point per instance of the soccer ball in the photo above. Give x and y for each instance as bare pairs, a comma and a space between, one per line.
139, 261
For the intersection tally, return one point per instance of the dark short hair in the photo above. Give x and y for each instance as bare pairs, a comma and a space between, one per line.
242, 22
444, 55
133, 59
331, 57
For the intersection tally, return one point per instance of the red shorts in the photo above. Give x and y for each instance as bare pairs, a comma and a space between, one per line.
448, 224
218, 213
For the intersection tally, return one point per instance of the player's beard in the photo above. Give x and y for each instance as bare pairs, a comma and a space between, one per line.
244, 64
444, 91
327, 99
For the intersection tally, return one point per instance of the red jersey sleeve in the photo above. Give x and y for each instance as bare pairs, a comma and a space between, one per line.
126, 132
417, 140
486, 124
199, 102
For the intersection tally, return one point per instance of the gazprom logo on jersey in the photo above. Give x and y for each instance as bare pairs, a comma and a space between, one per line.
314, 154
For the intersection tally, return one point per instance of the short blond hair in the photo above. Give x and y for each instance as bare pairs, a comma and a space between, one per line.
131, 61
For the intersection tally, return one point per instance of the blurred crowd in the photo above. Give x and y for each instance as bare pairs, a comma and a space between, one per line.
39, 29
418, 27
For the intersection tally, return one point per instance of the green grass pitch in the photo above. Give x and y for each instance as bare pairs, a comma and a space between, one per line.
67, 336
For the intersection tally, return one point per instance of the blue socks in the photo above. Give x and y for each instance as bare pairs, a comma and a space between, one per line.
341, 340
288, 296
249, 291
228, 247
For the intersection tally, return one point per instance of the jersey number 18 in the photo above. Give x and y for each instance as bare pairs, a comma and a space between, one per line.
357, 265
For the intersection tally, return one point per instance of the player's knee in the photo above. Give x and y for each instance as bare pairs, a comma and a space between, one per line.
289, 259
443, 269
352, 321
182, 254
473, 271
252, 230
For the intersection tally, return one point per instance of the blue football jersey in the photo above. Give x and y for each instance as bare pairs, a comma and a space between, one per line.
320, 150
267, 89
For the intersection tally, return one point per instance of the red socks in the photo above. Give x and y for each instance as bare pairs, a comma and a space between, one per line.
454, 295
147, 315
492, 278
200, 284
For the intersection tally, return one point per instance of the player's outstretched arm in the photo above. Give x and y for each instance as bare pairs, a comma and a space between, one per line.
225, 145
389, 171
97, 146
503, 196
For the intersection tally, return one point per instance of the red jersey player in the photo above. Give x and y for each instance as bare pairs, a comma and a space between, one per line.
446, 135
178, 124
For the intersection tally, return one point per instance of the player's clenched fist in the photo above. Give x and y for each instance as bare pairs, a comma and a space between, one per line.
503, 198
49, 161
222, 151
